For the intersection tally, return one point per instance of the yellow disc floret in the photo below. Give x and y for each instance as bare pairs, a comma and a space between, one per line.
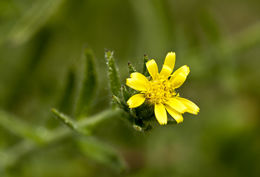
159, 91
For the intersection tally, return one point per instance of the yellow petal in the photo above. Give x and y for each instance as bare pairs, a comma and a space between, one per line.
166, 71
176, 105
176, 115
137, 82
160, 113
136, 100
139, 77
179, 76
152, 68
170, 60
191, 107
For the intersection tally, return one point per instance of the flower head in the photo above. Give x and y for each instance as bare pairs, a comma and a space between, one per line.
159, 90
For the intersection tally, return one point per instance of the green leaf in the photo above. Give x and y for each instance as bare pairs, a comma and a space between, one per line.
68, 100
34, 18
101, 153
113, 75
145, 71
131, 68
12, 155
19, 128
24, 76
88, 84
69, 122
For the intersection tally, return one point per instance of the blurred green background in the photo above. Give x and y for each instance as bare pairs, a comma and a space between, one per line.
41, 40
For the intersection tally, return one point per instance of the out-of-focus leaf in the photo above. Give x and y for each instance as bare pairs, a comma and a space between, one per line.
146, 10
28, 68
12, 155
20, 128
210, 26
101, 153
113, 75
88, 84
68, 99
33, 20
243, 41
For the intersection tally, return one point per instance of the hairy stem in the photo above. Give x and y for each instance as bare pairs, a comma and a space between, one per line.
12, 155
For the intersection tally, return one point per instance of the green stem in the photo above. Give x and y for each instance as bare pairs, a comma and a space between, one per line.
12, 155
19, 128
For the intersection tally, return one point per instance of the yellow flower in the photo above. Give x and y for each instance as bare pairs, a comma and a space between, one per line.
160, 90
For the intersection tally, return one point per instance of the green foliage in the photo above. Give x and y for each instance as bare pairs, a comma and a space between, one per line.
88, 85
101, 152
69, 122
27, 26
145, 71
68, 97
210, 26
41, 67
20, 128
125, 92
131, 68
113, 75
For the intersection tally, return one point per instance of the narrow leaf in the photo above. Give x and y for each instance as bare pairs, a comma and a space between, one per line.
68, 99
101, 153
39, 13
112, 73
18, 127
69, 122
88, 84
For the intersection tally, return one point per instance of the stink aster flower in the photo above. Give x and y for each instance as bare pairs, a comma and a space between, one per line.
159, 90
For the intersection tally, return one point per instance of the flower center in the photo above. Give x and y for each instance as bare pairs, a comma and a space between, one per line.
160, 91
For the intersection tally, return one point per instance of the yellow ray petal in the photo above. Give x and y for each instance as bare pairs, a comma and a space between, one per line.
152, 68
136, 100
176, 115
179, 76
137, 81
191, 107
176, 105
140, 77
166, 71
160, 113
170, 60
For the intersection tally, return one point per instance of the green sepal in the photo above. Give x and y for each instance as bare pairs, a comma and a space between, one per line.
145, 71
116, 100
131, 68
125, 93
